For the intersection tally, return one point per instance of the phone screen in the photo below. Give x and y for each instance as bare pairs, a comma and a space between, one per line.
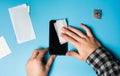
54, 45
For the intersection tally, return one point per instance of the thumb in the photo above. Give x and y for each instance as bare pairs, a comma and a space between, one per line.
49, 62
74, 54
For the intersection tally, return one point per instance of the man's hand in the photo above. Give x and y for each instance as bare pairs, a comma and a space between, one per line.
85, 44
35, 65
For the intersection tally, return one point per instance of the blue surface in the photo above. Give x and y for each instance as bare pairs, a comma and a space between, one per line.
42, 11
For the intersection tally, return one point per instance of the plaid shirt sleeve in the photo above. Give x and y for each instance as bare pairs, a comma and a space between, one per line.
104, 63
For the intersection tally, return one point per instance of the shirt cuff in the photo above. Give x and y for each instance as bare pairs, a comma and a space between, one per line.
98, 58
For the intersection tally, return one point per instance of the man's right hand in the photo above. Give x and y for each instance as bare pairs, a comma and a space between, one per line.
85, 44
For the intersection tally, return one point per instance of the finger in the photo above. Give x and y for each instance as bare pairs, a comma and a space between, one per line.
87, 30
71, 34
50, 60
78, 32
35, 54
74, 54
42, 53
69, 39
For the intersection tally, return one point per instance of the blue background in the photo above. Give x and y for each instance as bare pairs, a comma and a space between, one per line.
106, 31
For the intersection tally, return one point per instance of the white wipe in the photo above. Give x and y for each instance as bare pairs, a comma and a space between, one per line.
58, 27
22, 24
4, 49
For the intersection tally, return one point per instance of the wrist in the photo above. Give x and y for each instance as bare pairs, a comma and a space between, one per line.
92, 51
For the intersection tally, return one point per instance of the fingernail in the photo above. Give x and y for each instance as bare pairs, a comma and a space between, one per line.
81, 24
61, 34
54, 56
69, 27
63, 28
67, 54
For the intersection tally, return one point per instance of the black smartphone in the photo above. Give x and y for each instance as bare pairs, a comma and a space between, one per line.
55, 47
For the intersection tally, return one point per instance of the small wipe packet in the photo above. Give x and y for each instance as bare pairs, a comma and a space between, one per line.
58, 27
4, 49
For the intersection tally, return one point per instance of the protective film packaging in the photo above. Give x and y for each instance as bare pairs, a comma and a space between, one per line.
22, 24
